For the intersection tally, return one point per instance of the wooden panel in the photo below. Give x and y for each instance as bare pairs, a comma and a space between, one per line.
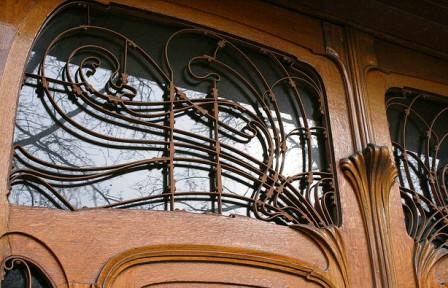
97, 233
101, 234
7, 33
92, 237
397, 59
261, 17
424, 32
13, 11
170, 275
440, 274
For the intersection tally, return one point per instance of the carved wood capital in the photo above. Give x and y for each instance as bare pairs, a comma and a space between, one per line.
372, 174
331, 242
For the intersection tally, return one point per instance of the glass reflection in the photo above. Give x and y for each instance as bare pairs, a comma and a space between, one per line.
190, 120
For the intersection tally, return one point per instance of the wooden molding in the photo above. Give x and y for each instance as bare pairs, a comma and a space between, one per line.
331, 242
354, 54
42, 257
208, 254
328, 239
25, 262
372, 174
335, 49
426, 256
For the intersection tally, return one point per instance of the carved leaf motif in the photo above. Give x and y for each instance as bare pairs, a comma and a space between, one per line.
372, 174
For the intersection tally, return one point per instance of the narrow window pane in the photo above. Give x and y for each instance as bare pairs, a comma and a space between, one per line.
419, 136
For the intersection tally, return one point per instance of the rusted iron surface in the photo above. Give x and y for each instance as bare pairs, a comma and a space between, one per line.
418, 131
18, 271
211, 123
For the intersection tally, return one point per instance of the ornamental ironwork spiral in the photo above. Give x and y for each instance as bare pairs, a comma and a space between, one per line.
17, 271
145, 112
419, 137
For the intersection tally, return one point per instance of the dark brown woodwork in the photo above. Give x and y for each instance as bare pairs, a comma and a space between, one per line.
353, 54
403, 22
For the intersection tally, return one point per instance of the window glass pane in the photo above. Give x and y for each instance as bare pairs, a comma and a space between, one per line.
22, 274
419, 136
126, 109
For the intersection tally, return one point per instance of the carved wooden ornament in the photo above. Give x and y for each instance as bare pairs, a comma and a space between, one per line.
372, 174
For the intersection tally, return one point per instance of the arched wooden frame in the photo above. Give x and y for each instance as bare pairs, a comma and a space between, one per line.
323, 66
206, 254
10, 262
41, 256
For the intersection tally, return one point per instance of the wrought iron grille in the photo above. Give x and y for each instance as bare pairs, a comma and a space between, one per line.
419, 136
18, 272
124, 109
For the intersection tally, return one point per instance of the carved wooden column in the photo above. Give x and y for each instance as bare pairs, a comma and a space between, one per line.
353, 53
372, 173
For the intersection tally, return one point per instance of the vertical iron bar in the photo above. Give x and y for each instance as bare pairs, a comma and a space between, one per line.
217, 146
171, 180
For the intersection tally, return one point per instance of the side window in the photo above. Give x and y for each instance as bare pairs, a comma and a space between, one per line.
132, 110
20, 273
419, 133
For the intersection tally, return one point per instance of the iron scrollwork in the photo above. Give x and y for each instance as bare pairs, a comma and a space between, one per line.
372, 174
17, 271
418, 131
188, 119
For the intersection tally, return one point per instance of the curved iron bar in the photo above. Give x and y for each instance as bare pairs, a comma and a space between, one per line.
26, 271
307, 195
423, 171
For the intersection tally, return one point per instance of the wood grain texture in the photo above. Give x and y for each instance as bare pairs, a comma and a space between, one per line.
420, 25
421, 258
13, 12
174, 274
218, 263
440, 273
7, 34
292, 27
23, 19
393, 58
9, 87
336, 50
83, 242
97, 230
372, 174
102, 234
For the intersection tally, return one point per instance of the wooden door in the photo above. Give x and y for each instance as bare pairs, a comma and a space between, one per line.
302, 214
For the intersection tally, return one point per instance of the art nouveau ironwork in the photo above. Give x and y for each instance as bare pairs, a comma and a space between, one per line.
17, 272
419, 136
157, 114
